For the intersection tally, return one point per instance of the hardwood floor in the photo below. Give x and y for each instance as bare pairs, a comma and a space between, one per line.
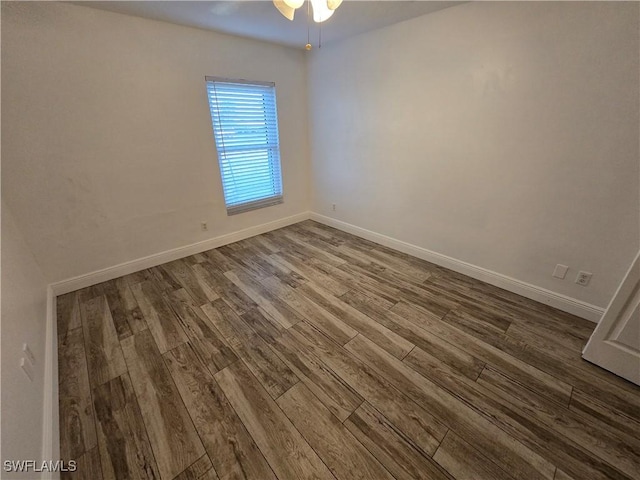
310, 353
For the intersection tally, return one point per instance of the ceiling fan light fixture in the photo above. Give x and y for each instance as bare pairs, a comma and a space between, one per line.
333, 4
284, 9
294, 3
321, 10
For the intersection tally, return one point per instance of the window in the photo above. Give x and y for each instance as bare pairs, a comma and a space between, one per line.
245, 127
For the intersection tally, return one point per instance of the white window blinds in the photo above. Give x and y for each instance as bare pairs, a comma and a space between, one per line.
245, 127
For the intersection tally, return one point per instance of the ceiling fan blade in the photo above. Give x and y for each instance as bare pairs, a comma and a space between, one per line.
320, 10
284, 9
333, 4
294, 3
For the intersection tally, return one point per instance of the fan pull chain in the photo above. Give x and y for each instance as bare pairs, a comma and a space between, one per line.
308, 45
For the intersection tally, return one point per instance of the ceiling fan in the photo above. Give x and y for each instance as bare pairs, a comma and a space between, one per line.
322, 9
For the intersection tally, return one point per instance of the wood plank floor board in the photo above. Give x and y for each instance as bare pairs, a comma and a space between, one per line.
603, 413
574, 331
543, 313
407, 265
329, 388
397, 452
307, 352
139, 276
210, 475
220, 262
281, 241
329, 236
263, 325
571, 340
162, 321
262, 244
560, 475
275, 376
125, 451
557, 349
424, 264
323, 320
428, 301
274, 306
275, 269
77, 425
230, 447
518, 424
161, 407
104, 355
259, 264
67, 313
463, 461
349, 279
87, 467
197, 469
210, 345
614, 447
91, 292
415, 422
306, 271
183, 273
362, 243
267, 243
163, 280
406, 268
621, 398
393, 279
445, 352
496, 444
120, 311
225, 288
540, 380
370, 283
482, 324
335, 445
319, 273
247, 261
310, 250
390, 341
286, 451
451, 281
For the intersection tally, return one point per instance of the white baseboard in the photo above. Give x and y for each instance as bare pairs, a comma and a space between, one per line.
50, 420
109, 273
539, 294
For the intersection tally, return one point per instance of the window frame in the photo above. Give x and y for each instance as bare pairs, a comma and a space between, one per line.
257, 203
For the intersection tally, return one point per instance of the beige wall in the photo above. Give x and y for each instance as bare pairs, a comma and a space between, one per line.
107, 149
501, 134
24, 310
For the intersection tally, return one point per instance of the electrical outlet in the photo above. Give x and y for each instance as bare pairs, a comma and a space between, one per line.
204, 226
333, 207
560, 271
583, 278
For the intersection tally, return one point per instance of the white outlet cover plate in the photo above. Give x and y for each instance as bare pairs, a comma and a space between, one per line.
560, 271
583, 278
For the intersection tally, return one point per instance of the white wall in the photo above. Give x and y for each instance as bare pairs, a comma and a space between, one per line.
107, 148
24, 310
501, 134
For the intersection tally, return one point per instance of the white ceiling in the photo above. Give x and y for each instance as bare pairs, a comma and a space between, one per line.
261, 20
